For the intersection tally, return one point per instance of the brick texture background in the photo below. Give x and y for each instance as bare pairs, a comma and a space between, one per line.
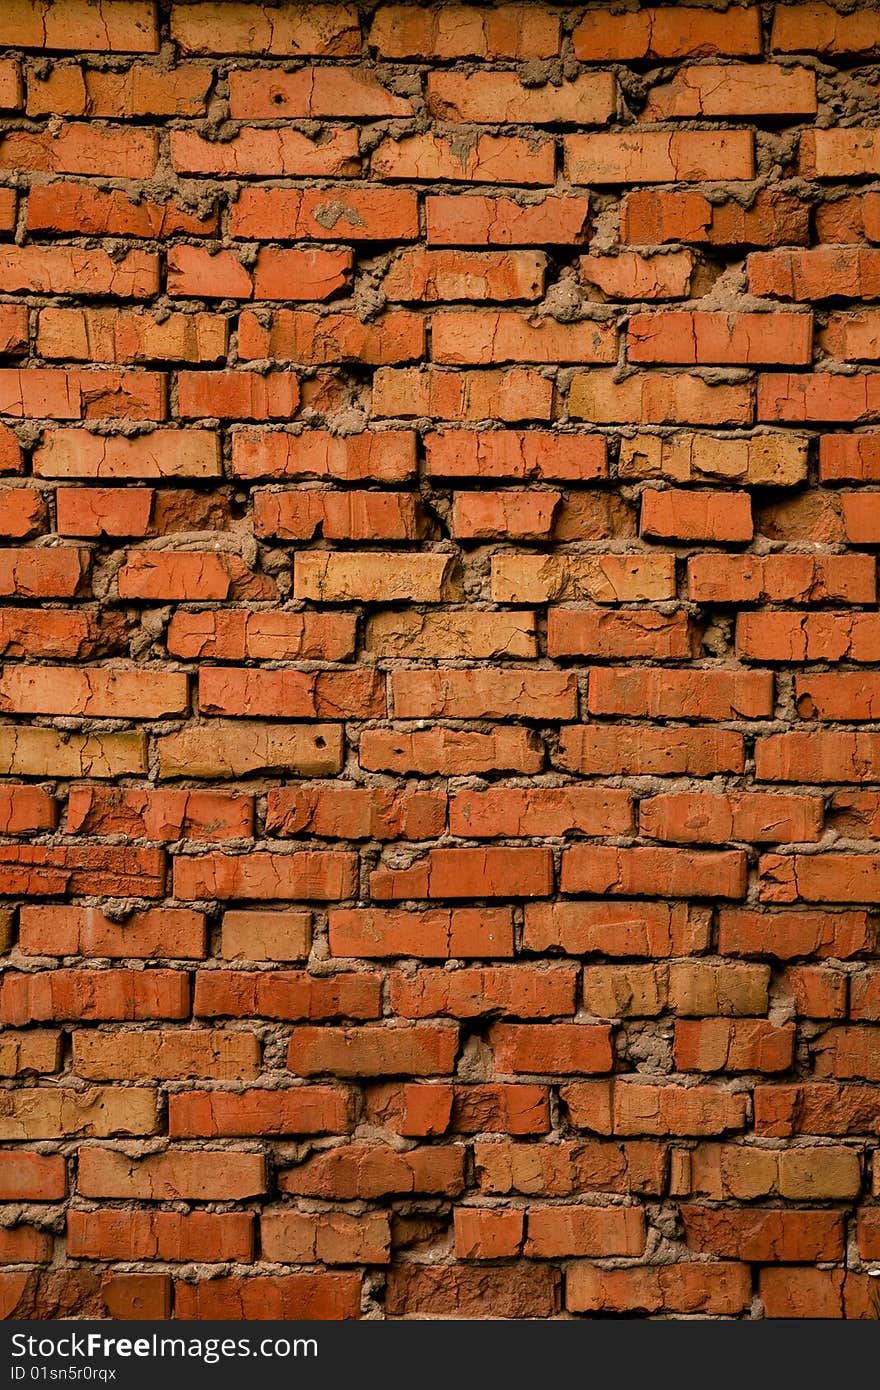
440, 709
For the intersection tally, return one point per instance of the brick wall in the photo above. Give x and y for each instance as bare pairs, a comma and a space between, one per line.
440, 728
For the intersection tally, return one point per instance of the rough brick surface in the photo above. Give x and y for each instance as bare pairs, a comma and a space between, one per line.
439, 700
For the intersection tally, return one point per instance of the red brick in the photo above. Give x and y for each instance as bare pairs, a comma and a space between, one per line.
658, 156
474, 219
432, 933
788, 934
302, 336
129, 27
616, 929
32, 1177
22, 512
93, 691
74, 453
80, 149
19, 1244
426, 1050
86, 931
487, 1234
257, 152
320, 1297
570, 1168
817, 757
45, 871
616, 634
26, 810
115, 1234
36, 1050
802, 1292
661, 398
696, 516
808, 637
287, 994
171, 1175
463, 873
452, 694
416, 275
374, 576
636, 752
139, 90
464, 31
265, 935
724, 1044
454, 633
201, 1053
854, 812
825, 30
646, 871
521, 578
816, 991
838, 153
310, 94
868, 1233
238, 395
514, 990
94, 994
516, 811
764, 1234
115, 335
332, 1238
717, 1288
723, 338
772, 219
434, 158
743, 90
517, 1291
359, 516
847, 695
386, 456
560, 1048
668, 32
500, 97
650, 693
757, 817
847, 1052
821, 273
367, 1170
509, 394
780, 579
194, 574
720, 1171
164, 814
515, 454
483, 336
317, 875
342, 694
234, 634
628, 1107
332, 214
849, 458
628, 275
843, 878
335, 811
53, 393
293, 1110
579, 1230
80, 209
